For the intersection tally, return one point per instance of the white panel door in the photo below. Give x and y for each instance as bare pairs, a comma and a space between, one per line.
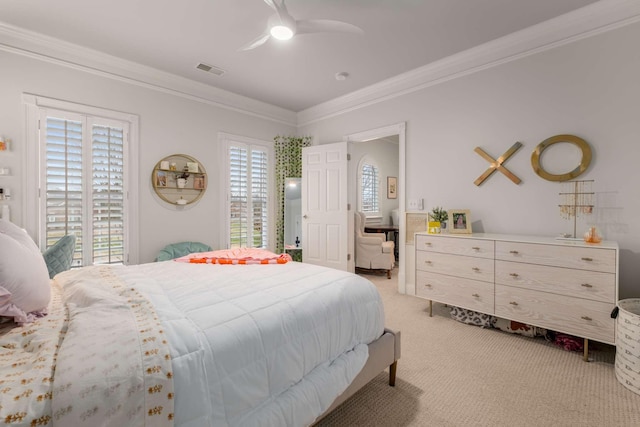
324, 205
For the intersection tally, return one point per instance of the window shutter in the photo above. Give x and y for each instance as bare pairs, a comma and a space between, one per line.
84, 176
108, 194
238, 196
259, 197
248, 196
64, 183
370, 188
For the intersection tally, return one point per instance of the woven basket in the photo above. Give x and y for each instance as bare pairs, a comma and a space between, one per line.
628, 344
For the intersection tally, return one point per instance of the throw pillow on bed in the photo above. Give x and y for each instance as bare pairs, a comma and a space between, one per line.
24, 279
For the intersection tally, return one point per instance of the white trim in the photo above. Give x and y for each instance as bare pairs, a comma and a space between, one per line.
593, 19
399, 129
596, 18
31, 166
38, 46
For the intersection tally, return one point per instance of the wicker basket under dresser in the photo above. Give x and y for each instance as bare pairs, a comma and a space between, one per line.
563, 285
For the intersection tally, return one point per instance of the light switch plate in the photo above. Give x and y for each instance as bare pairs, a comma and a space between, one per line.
416, 204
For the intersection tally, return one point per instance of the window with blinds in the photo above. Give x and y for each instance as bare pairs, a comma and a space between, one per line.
83, 177
369, 188
248, 187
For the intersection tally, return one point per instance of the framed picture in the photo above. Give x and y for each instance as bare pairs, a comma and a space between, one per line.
459, 221
161, 179
192, 167
198, 182
392, 187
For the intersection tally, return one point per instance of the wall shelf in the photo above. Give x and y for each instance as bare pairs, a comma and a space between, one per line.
166, 179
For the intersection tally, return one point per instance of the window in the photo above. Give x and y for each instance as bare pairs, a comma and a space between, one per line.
83, 184
247, 190
369, 185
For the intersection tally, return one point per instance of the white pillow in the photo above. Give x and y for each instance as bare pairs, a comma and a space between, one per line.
25, 289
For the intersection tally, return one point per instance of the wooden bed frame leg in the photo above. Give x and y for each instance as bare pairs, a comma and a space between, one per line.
388, 274
392, 373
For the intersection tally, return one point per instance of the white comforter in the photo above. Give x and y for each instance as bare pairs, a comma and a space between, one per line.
269, 345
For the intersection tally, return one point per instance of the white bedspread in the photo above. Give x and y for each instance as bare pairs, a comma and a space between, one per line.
269, 345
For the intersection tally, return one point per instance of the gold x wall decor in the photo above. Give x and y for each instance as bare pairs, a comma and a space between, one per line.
496, 164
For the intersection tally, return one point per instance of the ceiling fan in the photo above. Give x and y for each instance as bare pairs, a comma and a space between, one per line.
282, 26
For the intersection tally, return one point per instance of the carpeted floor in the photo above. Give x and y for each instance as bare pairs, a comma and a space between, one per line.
452, 374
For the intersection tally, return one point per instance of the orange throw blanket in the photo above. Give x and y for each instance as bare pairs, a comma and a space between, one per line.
240, 256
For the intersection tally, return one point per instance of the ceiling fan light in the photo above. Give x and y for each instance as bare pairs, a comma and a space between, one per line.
281, 32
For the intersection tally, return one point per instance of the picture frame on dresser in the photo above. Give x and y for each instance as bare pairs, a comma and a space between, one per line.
460, 221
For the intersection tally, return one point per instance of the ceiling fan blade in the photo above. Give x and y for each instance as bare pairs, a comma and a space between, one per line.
280, 8
271, 4
326, 26
257, 42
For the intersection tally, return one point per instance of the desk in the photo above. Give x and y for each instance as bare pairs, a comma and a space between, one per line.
386, 229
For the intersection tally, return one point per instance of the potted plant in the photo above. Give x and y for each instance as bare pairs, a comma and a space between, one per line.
440, 215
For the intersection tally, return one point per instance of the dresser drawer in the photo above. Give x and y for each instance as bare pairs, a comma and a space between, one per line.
584, 318
591, 285
455, 245
455, 265
578, 257
465, 293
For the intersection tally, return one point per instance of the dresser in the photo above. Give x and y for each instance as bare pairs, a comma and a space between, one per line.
563, 285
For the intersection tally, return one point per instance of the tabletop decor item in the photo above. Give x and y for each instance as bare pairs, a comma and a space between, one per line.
440, 215
460, 221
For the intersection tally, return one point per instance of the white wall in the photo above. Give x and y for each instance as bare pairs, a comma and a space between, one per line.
168, 124
589, 88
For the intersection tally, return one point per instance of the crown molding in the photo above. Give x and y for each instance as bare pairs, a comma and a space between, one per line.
38, 46
599, 17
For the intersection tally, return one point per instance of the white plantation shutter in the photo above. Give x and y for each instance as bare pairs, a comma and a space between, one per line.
84, 184
249, 204
259, 198
108, 194
64, 199
369, 188
239, 197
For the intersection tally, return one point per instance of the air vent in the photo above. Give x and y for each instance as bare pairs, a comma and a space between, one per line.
210, 69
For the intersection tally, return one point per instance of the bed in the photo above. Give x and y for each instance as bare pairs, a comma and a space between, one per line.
195, 344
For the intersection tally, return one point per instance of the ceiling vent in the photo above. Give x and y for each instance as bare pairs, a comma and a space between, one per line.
210, 69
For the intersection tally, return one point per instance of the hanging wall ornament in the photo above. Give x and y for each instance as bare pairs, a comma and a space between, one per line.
571, 139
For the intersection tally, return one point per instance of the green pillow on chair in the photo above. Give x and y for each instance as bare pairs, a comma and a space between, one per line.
59, 256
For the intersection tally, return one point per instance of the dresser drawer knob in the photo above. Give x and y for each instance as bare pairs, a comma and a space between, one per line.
476, 269
513, 274
427, 243
427, 285
587, 318
513, 303
476, 295
587, 259
427, 262
514, 252
586, 285
475, 248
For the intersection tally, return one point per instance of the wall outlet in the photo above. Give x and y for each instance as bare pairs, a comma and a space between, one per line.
416, 204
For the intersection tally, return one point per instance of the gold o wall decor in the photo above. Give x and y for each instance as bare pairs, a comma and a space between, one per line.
571, 139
